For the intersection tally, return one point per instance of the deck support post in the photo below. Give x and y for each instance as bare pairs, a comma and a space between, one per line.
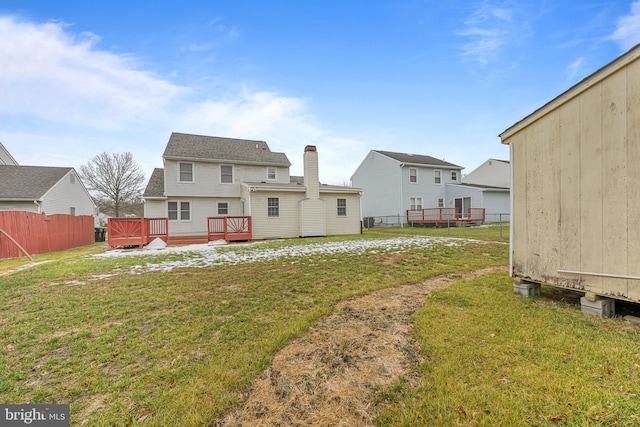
526, 288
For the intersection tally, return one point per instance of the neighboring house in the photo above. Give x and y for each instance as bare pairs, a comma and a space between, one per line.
5, 157
489, 185
43, 189
576, 168
207, 176
396, 182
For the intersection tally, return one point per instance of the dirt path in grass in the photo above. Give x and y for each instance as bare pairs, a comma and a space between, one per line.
332, 375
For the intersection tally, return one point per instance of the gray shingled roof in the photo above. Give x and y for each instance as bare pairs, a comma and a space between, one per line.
418, 159
155, 186
214, 148
28, 182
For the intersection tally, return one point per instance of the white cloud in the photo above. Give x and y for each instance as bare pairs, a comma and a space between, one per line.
67, 100
576, 69
627, 32
491, 26
53, 75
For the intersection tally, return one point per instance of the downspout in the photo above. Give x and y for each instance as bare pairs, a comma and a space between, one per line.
38, 205
511, 222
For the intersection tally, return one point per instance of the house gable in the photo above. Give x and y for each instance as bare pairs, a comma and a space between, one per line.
491, 173
53, 190
5, 157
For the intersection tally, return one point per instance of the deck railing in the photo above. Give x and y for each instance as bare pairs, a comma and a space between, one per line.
136, 231
230, 228
438, 216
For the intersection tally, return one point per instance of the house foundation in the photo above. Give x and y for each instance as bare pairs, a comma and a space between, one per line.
525, 288
591, 304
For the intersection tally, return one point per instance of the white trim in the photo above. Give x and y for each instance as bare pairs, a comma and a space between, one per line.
434, 176
193, 173
218, 207
275, 173
232, 173
416, 181
179, 210
273, 216
346, 212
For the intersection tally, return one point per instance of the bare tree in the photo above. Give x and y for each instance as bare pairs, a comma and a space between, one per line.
115, 181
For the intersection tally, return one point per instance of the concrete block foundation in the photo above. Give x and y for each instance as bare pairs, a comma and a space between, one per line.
601, 307
526, 289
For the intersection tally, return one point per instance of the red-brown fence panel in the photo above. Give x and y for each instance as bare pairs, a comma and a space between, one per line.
40, 233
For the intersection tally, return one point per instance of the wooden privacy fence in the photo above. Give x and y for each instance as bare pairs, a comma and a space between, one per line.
39, 233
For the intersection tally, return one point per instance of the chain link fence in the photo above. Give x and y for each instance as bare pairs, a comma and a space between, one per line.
389, 221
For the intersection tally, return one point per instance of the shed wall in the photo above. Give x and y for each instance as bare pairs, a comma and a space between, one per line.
574, 193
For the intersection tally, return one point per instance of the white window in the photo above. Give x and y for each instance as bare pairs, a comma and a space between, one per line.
271, 174
185, 172
179, 211
223, 208
72, 210
454, 175
226, 174
273, 206
437, 177
415, 203
440, 202
413, 175
342, 207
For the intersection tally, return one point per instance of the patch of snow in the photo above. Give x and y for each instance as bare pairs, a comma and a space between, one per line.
206, 255
156, 243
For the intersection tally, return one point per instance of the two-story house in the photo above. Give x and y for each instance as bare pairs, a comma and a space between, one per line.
396, 182
208, 176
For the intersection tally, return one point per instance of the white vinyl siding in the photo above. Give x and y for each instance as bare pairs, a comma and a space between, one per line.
63, 195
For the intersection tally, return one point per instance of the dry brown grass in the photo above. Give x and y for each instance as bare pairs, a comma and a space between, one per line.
332, 375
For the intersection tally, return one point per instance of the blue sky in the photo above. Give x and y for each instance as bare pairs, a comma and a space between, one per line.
441, 78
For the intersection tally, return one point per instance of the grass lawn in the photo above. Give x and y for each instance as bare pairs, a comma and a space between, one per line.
125, 344
497, 359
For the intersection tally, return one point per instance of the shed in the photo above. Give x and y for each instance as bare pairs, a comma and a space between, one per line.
575, 194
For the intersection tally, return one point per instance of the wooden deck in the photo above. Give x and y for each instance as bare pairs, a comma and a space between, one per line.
445, 216
141, 231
